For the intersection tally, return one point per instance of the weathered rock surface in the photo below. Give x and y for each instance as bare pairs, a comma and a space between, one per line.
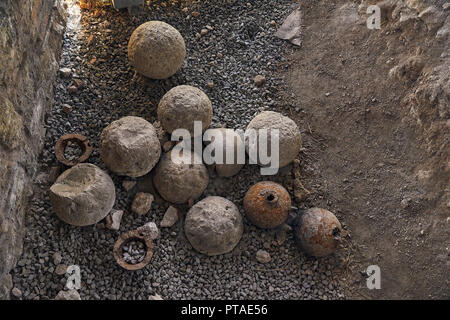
214, 226
30, 44
151, 229
156, 49
263, 256
130, 146
179, 182
142, 203
113, 219
82, 195
170, 217
290, 140
231, 143
181, 106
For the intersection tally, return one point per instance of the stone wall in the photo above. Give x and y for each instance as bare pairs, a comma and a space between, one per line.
30, 43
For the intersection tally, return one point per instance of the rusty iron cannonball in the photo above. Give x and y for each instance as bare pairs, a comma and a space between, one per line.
267, 204
156, 49
318, 232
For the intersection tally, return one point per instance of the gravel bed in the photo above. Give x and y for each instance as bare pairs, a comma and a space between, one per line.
238, 46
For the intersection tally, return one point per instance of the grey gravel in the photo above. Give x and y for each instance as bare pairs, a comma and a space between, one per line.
239, 46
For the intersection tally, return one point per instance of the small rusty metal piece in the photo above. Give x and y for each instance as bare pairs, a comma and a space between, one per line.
318, 232
133, 235
64, 141
267, 204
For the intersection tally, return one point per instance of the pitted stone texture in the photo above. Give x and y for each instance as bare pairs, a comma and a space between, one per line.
231, 143
68, 295
130, 147
82, 195
180, 182
214, 226
289, 134
156, 49
181, 106
318, 232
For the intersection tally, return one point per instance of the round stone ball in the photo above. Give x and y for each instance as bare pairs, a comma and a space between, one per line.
267, 204
181, 106
180, 181
130, 147
213, 226
318, 232
82, 195
231, 144
156, 49
290, 140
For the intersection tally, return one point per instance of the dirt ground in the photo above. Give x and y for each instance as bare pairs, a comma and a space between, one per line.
369, 155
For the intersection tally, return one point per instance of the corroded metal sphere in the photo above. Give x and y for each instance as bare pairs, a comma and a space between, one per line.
267, 204
318, 232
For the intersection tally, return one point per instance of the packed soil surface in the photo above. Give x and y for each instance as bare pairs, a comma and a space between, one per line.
367, 156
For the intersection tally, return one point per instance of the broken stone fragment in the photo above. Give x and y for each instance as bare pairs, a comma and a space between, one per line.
57, 258
155, 297
181, 106
263, 256
142, 203
170, 217
214, 226
65, 72
130, 146
179, 181
151, 229
113, 219
128, 184
82, 195
60, 269
156, 49
290, 140
259, 80
17, 293
68, 295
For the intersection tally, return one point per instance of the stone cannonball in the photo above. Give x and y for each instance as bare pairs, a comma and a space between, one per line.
267, 204
130, 147
318, 232
181, 106
213, 226
156, 49
290, 140
231, 143
178, 182
82, 195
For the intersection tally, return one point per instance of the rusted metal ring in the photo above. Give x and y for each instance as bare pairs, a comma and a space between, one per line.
80, 140
134, 235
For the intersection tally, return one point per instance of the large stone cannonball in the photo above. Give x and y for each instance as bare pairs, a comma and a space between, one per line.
180, 181
290, 140
213, 226
318, 232
82, 195
130, 147
267, 204
181, 106
156, 49
231, 144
